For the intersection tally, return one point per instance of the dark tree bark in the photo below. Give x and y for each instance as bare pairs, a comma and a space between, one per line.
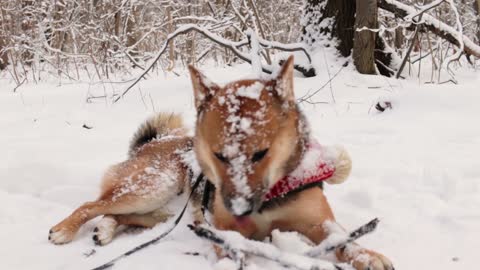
364, 41
383, 57
325, 20
3, 55
476, 6
328, 19
399, 38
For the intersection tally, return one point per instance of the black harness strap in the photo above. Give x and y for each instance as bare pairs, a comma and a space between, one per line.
158, 238
207, 195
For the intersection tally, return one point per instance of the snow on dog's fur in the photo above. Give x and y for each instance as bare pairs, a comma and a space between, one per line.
249, 134
134, 192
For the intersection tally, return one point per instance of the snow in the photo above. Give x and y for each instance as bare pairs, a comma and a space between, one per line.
252, 91
315, 156
415, 167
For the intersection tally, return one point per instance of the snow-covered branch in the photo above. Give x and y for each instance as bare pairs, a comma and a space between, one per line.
434, 25
101, 38
233, 46
236, 245
458, 36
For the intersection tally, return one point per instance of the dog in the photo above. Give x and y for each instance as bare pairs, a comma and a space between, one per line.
135, 192
249, 134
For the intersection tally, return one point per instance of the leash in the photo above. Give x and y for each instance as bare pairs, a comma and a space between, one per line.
207, 193
158, 238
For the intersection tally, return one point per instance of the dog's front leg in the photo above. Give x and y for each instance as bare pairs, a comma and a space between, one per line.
362, 258
311, 215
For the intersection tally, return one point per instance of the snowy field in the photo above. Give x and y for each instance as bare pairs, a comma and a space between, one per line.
415, 167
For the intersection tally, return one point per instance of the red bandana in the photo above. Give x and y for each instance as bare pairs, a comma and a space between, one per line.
316, 166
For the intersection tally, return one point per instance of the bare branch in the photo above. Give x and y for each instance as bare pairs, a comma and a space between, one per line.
231, 45
437, 27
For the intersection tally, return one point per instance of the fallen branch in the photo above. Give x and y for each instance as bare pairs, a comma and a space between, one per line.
434, 25
234, 243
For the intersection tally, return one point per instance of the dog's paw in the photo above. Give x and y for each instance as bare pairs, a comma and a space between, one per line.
371, 260
105, 231
59, 235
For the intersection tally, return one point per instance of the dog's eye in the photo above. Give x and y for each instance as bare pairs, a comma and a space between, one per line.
259, 155
221, 157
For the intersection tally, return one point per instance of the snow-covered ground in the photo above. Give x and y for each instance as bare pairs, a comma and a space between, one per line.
415, 167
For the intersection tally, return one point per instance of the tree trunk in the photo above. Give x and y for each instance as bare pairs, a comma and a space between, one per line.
399, 38
476, 6
132, 33
325, 20
3, 55
364, 41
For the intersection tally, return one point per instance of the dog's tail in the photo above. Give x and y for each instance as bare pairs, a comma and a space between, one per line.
155, 127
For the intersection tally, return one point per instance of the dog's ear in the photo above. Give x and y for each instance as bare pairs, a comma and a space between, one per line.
284, 81
203, 88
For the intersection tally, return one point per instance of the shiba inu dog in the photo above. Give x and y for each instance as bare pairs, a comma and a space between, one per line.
249, 135
136, 191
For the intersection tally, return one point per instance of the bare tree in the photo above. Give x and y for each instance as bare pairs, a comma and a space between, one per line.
325, 20
103, 38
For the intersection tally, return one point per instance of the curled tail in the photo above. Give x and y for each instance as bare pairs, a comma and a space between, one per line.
157, 126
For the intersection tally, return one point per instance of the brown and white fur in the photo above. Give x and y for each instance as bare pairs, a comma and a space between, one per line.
248, 135
135, 192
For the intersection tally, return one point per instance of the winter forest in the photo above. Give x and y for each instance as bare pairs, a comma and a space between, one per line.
393, 83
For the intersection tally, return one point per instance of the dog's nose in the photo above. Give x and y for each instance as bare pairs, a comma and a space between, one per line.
240, 206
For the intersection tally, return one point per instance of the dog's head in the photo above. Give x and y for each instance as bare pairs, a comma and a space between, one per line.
249, 134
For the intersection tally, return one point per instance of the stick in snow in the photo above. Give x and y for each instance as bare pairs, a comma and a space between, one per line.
227, 241
234, 243
321, 250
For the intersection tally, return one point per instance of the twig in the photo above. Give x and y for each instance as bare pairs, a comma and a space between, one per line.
321, 250
329, 77
424, 9
308, 96
459, 36
407, 55
20, 84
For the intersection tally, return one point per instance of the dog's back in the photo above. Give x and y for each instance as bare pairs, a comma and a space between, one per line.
153, 158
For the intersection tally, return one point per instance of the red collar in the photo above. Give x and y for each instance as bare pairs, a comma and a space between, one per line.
316, 166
